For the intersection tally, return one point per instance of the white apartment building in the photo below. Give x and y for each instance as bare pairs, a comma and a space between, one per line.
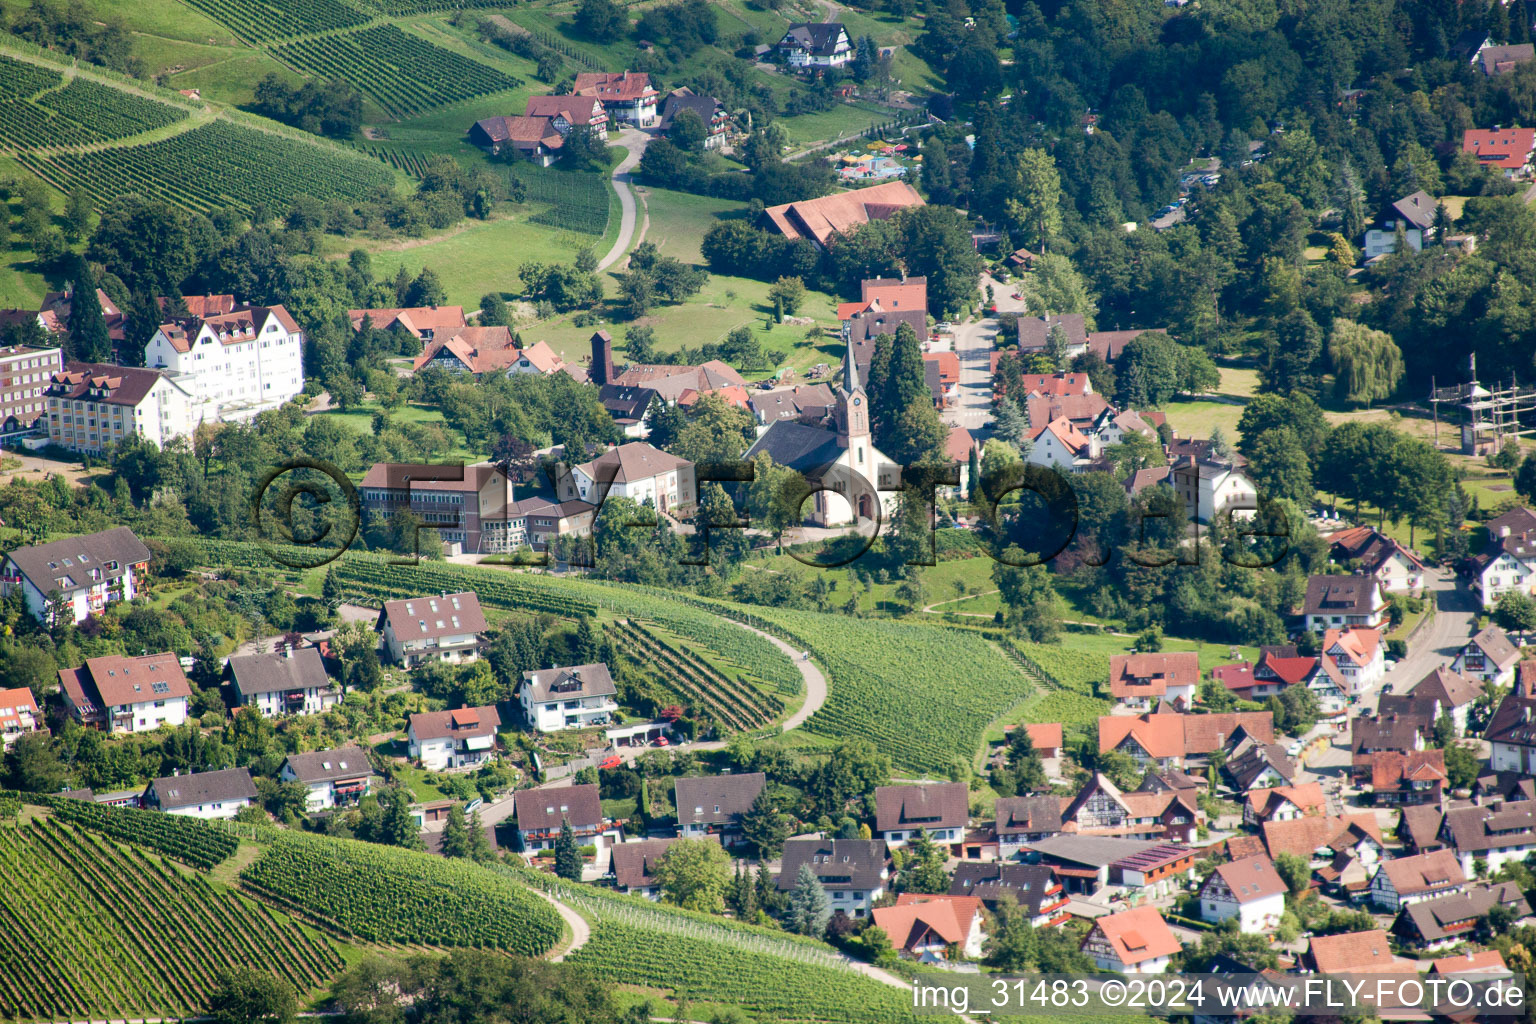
93, 406
572, 697
123, 694
25, 374
234, 364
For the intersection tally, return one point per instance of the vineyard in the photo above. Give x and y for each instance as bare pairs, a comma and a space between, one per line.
734, 706
396, 8
18, 78
373, 578
274, 170
102, 112
382, 894
264, 20
185, 839
922, 694
408, 160
91, 929
405, 74
578, 201
771, 977
1072, 678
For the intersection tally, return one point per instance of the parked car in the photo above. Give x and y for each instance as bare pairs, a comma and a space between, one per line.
612, 761
661, 741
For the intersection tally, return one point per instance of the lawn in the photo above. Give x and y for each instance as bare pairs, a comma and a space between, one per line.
169, 18
842, 120
360, 419
415, 779
1197, 418
21, 285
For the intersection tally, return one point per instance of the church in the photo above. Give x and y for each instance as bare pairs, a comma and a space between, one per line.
838, 456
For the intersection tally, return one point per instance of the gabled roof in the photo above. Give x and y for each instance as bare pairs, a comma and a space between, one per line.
543, 810
1341, 595
1422, 824
64, 565
1496, 60
1478, 829
817, 38
349, 762
458, 724
175, 791
571, 682
578, 110
1473, 963
299, 669
716, 799
116, 680
1509, 148
678, 100
1303, 836
1032, 885
1137, 935
918, 918
1150, 674
235, 327
106, 383
840, 864
1175, 735
1390, 731
1496, 646
614, 86
1044, 734
931, 806
1108, 345
1424, 872
1511, 723
1392, 768
1353, 953
1057, 384
632, 462
423, 618
1076, 443
1082, 410
1251, 765
416, 319
480, 349
1035, 331
1251, 879
1016, 815
16, 702
821, 219
634, 864
1451, 689
1417, 209
1306, 797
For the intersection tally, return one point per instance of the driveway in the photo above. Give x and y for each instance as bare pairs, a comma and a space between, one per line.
634, 141
974, 341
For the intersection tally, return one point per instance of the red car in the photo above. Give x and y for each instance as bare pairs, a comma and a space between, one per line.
661, 741
612, 761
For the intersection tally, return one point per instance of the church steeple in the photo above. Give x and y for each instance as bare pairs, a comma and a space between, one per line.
852, 414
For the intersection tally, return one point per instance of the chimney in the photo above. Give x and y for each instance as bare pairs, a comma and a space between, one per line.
601, 371
288, 653
1504, 530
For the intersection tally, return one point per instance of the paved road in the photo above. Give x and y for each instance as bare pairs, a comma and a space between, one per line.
972, 406
633, 140
1455, 610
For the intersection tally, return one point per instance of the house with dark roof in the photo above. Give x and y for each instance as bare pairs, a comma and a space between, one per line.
1453, 693
446, 628
461, 738
1443, 921
1403, 881
1022, 819
815, 46
93, 406
542, 812
633, 864
1500, 60
1414, 213
854, 872
331, 778
1101, 809
1034, 887
1339, 601
1035, 332
1508, 562
1407, 778
535, 139
75, 577
126, 694
715, 804
1368, 550
710, 111
569, 697
1494, 834
1489, 657
1259, 766
292, 681
940, 809
220, 794
630, 407
1248, 891
1510, 732
636, 471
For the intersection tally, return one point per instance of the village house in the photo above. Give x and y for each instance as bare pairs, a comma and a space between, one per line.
627, 96
1489, 657
1101, 809
94, 406
419, 630
1170, 740
566, 113
234, 364
542, 812
1443, 921
19, 715
1406, 778
1324, 839
1259, 766
1508, 150
1354, 953
820, 220
925, 926
288, 682
1142, 681
208, 795
1455, 694
1368, 550
573, 697
535, 139
1354, 658
716, 119
633, 865
669, 381
1034, 887
637, 471
1213, 486
715, 804
940, 809
1403, 881
421, 322
444, 740
1403, 725
854, 872
1494, 834
1087, 863
1510, 733
124, 694
338, 777
1415, 214
1060, 444
1023, 819
1283, 803
630, 407
75, 577
1339, 601
816, 46
1249, 891
1508, 563
1134, 941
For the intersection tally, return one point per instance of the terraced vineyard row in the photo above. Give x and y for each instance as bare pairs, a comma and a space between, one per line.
733, 705
274, 170
374, 578
407, 160
578, 200
384, 894
405, 74
264, 20
20, 79
185, 839
89, 928
82, 112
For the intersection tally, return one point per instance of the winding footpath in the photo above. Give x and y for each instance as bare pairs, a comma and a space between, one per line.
633, 141
581, 932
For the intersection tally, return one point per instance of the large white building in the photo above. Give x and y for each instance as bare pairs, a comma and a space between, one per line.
1210, 487
93, 406
419, 630
75, 577
462, 738
635, 471
122, 694
289, 682
573, 697
234, 364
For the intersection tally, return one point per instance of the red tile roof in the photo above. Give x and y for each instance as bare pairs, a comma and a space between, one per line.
820, 219
1150, 674
1509, 148
917, 916
1138, 935
1353, 953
